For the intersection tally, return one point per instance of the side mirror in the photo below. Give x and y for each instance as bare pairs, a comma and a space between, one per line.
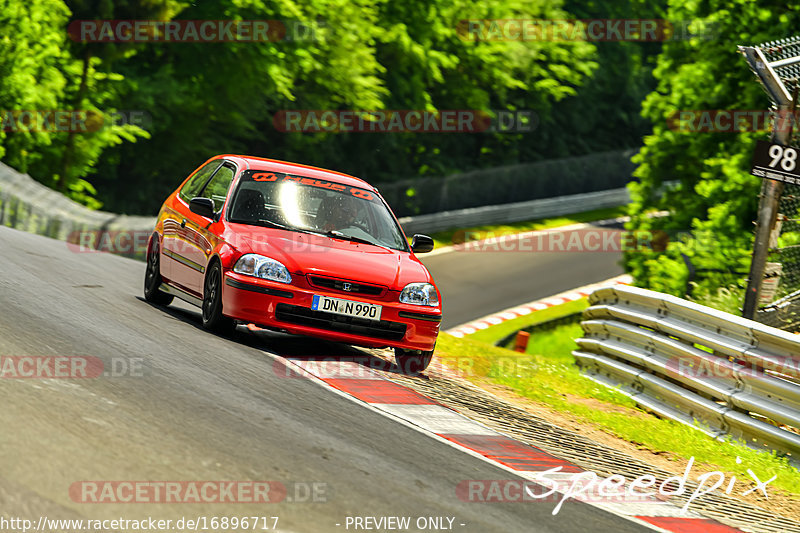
421, 244
202, 206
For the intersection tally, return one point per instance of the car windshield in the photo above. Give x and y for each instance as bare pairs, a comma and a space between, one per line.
298, 203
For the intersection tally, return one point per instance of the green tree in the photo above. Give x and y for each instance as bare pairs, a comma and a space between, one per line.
40, 73
712, 204
368, 55
210, 98
30, 75
94, 85
606, 112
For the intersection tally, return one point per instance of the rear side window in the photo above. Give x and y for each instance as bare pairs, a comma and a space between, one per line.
196, 182
217, 188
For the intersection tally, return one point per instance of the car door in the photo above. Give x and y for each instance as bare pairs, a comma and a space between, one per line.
175, 246
199, 231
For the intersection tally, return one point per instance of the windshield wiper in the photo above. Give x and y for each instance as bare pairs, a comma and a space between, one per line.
273, 224
351, 238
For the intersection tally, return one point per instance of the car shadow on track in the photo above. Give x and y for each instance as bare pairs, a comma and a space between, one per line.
342, 360
307, 351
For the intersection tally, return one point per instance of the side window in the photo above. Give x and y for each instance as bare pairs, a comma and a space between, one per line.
217, 188
195, 184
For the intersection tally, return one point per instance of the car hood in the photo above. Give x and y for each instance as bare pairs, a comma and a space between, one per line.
305, 253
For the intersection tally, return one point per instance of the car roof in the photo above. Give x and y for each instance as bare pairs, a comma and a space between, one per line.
260, 163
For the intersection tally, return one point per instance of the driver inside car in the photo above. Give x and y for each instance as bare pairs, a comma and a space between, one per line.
337, 213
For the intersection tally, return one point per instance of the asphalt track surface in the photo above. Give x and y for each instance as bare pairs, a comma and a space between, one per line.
211, 408
484, 281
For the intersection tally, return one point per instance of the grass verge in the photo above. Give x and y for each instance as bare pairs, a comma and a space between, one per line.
549, 376
445, 238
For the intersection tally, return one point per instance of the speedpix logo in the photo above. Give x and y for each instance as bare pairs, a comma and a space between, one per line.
552, 485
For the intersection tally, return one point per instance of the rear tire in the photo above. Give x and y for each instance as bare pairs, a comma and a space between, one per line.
152, 277
412, 361
213, 319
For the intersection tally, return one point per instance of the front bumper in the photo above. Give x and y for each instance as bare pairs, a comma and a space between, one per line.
288, 307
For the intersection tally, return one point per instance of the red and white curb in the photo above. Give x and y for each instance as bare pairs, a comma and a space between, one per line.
526, 309
353, 380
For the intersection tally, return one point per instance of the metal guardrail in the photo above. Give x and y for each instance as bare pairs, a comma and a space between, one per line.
27, 205
721, 373
516, 212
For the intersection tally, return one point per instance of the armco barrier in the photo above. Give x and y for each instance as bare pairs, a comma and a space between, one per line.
721, 373
28, 205
507, 213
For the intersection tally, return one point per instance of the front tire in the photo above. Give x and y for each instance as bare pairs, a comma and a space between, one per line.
412, 361
213, 319
152, 277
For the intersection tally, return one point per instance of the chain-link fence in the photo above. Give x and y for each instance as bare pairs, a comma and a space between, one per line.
783, 268
510, 184
781, 286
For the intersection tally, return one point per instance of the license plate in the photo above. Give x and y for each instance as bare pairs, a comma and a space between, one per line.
346, 307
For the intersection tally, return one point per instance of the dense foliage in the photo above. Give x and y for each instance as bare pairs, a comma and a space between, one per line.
200, 99
194, 100
713, 204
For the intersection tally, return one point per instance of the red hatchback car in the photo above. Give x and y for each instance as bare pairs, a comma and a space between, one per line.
297, 249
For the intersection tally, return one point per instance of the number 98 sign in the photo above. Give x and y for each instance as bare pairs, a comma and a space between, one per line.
775, 162
785, 156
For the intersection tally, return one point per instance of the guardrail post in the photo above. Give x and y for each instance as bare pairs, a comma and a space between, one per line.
521, 341
771, 190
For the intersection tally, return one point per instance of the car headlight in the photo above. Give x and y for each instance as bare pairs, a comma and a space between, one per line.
420, 294
262, 267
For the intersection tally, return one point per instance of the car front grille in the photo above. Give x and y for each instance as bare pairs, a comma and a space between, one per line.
348, 287
379, 329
